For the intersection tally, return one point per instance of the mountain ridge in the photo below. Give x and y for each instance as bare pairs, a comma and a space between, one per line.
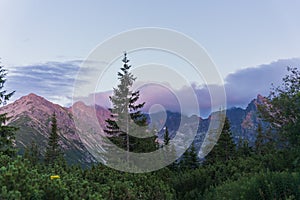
32, 113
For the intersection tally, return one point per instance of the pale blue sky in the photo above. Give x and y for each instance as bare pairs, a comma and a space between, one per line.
235, 34
42, 43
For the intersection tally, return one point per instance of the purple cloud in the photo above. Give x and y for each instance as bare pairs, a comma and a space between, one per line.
245, 84
54, 81
241, 87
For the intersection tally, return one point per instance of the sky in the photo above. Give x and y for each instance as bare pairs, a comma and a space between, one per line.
46, 41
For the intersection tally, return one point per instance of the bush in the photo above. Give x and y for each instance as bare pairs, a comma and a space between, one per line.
270, 185
19, 179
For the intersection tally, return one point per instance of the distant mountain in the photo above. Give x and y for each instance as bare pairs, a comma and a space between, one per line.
32, 114
244, 123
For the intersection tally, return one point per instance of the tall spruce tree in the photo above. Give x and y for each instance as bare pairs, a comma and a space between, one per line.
243, 148
189, 159
170, 152
126, 117
32, 153
166, 137
225, 148
259, 142
7, 133
53, 151
264, 142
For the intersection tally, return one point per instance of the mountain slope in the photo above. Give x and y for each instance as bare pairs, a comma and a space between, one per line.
243, 122
32, 114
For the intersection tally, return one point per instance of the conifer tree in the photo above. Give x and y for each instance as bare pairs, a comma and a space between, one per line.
243, 148
32, 153
7, 133
225, 148
259, 140
174, 165
169, 150
126, 117
192, 161
189, 158
265, 141
144, 145
166, 137
53, 151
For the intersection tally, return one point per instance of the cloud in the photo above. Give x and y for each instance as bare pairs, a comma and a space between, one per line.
55, 81
241, 87
245, 84
52, 80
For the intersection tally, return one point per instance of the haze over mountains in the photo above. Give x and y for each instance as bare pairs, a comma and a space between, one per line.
55, 82
32, 112
32, 115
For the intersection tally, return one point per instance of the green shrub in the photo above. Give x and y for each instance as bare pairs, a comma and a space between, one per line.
270, 185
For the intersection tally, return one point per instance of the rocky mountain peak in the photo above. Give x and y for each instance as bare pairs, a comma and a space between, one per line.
32, 99
260, 100
252, 106
32, 114
37, 108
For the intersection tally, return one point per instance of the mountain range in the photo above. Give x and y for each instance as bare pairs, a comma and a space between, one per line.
32, 115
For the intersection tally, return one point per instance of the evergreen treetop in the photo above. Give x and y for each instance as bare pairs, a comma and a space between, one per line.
127, 124
225, 147
166, 137
7, 133
53, 151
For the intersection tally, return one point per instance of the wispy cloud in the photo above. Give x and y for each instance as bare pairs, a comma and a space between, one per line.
55, 81
52, 80
241, 87
245, 84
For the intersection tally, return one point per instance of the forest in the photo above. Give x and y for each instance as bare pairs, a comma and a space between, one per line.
270, 169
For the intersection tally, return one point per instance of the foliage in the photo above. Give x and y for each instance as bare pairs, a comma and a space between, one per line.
265, 171
7, 136
225, 148
20, 180
53, 151
192, 184
259, 142
127, 123
189, 159
32, 153
7, 133
243, 148
166, 137
282, 110
264, 142
270, 185
4, 95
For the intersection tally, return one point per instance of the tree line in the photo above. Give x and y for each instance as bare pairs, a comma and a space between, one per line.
267, 170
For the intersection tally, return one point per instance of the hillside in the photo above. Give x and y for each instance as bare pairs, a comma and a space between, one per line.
32, 115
